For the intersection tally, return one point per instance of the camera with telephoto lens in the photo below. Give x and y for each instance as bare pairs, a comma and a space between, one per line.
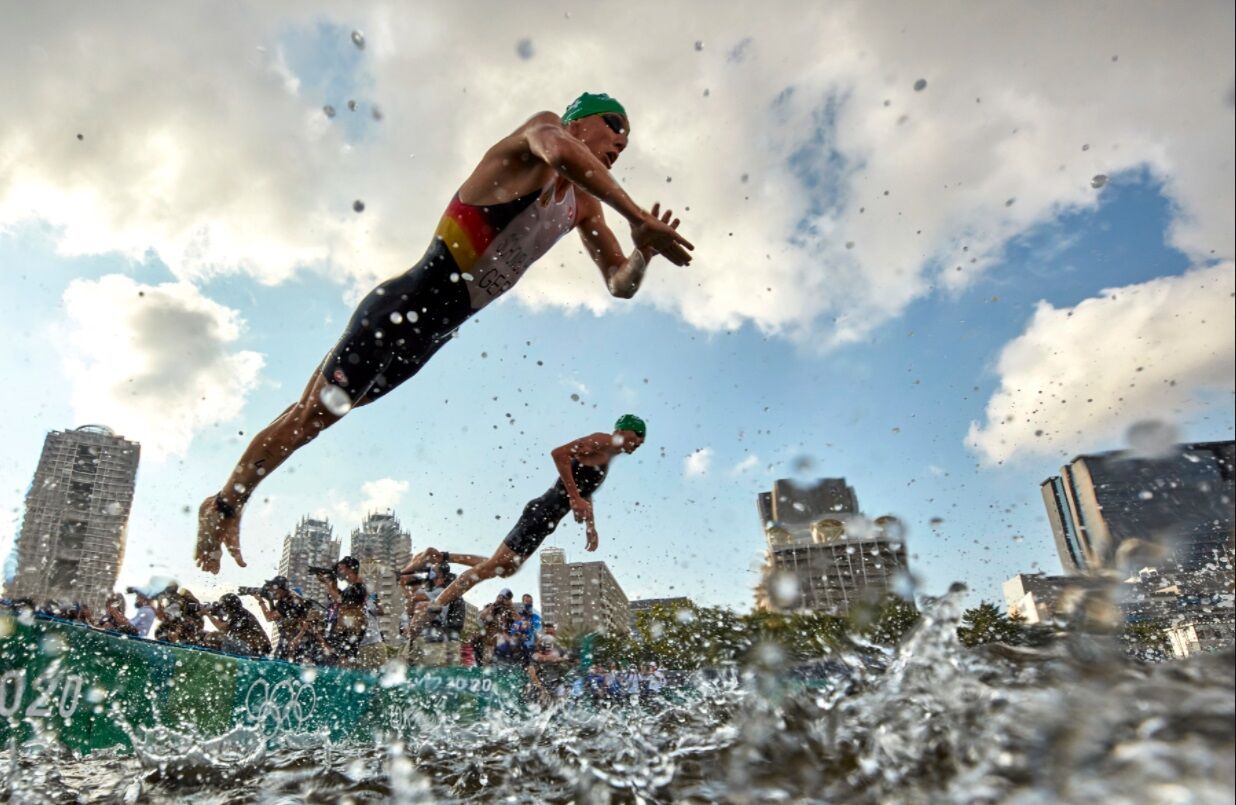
261, 592
323, 571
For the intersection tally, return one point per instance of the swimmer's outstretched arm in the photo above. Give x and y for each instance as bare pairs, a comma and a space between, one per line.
549, 142
597, 444
469, 559
623, 274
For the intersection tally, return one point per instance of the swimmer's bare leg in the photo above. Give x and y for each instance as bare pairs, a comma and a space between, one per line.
218, 518
504, 563
432, 556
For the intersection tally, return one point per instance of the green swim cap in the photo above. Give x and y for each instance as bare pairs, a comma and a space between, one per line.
632, 423
590, 104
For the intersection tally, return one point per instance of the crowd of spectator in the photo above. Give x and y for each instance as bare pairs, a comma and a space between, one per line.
506, 633
345, 630
616, 685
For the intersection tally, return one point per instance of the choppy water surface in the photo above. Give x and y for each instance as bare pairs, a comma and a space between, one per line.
1074, 721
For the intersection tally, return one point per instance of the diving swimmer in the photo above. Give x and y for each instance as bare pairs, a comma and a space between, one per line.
549, 176
582, 466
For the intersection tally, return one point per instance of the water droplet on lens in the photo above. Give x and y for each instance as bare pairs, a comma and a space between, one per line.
1098, 181
358, 39
396, 318
921, 85
905, 585
893, 528
1153, 439
336, 400
785, 590
358, 206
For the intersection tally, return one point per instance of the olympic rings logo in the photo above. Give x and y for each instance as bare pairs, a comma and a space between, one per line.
284, 706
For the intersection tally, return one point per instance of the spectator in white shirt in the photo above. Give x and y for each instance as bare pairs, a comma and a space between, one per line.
143, 619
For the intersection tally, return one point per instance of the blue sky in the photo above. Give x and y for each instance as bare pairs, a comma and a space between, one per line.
816, 334
890, 415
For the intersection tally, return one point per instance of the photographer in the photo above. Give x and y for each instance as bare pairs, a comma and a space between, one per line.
436, 644
454, 617
180, 616
346, 619
416, 595
496, 620
373, 646
144, 617
301, 625
114, 618
549, 666
526, 627
240, 633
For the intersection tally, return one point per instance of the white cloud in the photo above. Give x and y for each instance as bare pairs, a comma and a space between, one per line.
1078, 377
381, 495
153, 362
202, 142
698, 463
746, 465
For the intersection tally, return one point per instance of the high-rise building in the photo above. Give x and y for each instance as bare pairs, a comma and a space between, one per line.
1037, 597
383, 547
311, 544
1201, 636
822, 553
1181, 503
581, 597
794, 508
72, 536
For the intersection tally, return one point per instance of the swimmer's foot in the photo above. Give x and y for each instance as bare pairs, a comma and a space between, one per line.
218, 525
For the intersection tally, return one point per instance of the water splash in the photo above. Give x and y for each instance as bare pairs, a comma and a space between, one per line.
929, 721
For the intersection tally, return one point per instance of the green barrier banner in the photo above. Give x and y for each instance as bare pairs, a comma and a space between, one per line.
90, 690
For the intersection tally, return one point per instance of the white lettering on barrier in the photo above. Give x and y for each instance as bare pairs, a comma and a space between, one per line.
13, 689
72, 683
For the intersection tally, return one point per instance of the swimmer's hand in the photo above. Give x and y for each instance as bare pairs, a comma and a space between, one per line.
658, 232
582, 509
593, 539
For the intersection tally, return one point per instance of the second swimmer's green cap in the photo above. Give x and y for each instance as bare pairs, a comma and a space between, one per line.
632, 423
590, 104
